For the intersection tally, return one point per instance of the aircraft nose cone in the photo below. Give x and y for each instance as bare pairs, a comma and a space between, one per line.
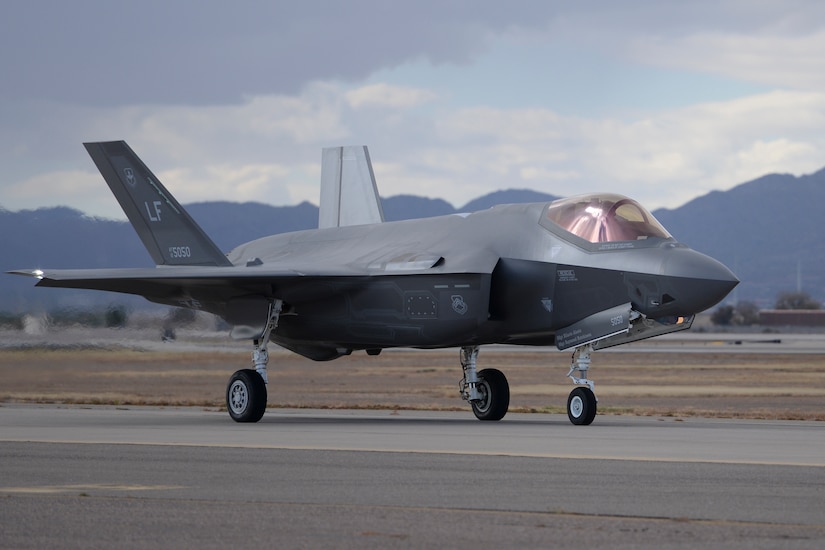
696, 281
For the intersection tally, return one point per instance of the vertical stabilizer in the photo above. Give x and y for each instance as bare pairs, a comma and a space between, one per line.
349, 195
169, 234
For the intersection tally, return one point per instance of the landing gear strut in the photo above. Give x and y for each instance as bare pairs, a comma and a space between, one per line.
581, 404
487, 391
246, 391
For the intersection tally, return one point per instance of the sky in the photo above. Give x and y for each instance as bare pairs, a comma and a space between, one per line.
663, 101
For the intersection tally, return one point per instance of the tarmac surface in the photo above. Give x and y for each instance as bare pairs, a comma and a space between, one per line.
143, 477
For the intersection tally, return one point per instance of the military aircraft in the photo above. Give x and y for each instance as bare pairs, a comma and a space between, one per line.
581, 273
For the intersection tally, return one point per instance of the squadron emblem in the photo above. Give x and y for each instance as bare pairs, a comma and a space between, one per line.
459, 305
130, 176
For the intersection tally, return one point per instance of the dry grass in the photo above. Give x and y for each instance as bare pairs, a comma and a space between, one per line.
738, 385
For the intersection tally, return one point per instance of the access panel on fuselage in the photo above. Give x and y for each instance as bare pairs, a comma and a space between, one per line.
583, 291
530, 299
392, 310
522, 298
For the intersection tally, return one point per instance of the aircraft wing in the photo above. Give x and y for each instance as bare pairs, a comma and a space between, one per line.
176, 284
233, 293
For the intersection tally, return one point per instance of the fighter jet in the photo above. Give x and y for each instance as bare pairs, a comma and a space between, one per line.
580, 273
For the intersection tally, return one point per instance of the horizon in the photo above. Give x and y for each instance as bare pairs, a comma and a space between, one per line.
458, 208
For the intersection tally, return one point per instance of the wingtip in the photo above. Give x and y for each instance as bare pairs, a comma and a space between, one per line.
36, 273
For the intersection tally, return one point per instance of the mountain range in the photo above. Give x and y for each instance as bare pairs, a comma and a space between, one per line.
769, 231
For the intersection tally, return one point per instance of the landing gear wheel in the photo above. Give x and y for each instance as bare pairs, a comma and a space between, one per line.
581, 406
495, 395
246, 396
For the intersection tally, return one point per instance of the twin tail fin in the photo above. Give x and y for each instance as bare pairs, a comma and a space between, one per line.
349, 194
168, 232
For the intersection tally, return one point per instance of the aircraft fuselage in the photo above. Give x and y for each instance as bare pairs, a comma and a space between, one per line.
495, 276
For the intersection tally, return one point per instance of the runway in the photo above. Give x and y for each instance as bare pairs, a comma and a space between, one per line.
146, 477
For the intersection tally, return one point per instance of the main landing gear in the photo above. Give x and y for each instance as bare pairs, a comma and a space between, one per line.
246, 391
487, 391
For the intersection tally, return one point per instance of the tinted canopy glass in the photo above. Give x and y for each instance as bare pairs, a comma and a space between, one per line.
604, 218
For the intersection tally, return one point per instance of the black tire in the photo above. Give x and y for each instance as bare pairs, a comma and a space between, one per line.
246, 396
495, 395
581, 406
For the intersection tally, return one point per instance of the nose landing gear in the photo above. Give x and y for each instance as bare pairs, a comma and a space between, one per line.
581, 403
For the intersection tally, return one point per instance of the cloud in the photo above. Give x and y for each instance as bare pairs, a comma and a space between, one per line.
238, 183
662, 158
208, 53
386, 95
235, 104
779, 60
268, 148
82, 190
183, 53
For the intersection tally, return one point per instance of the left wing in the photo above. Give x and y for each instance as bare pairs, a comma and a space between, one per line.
212, 289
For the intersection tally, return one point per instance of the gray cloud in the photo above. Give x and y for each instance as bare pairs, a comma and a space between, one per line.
152, 52
101, 53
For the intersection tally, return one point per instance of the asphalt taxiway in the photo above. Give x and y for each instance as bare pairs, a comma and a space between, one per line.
182, 477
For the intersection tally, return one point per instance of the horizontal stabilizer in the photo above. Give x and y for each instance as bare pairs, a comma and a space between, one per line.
349, 195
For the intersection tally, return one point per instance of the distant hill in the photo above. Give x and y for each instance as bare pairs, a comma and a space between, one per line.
410, 207
230, 223
510, 196
764, 230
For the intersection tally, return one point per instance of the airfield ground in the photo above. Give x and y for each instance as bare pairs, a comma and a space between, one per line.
710, 377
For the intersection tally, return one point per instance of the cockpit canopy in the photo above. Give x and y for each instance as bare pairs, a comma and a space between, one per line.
603, 218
